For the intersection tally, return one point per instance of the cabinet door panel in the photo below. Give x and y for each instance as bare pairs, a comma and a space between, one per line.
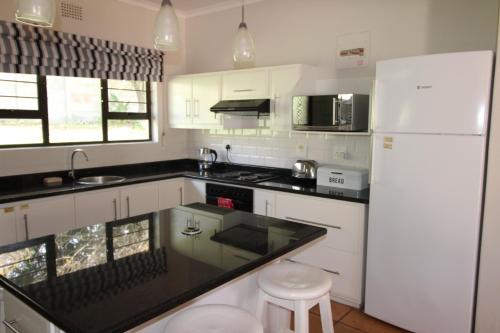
245, 84
194, 191
8, 234
180, 102
170, 193
283, 83
139, 199
206, 93
264, 203
97, 207
26, 320
46, 216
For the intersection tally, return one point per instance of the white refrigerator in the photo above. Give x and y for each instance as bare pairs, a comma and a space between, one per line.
430, 126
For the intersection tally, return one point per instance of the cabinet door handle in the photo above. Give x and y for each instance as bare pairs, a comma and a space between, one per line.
25, 217
115, 206
128, 206
243, 90
267, 205
180, 193
188, 114
313, 223
197, 108
10, 325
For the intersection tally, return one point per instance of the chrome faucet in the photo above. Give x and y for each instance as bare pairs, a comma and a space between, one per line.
72, 171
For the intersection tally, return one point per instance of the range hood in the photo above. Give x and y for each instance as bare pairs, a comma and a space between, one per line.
245, 107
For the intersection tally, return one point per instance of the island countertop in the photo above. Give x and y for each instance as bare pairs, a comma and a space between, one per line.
113, 277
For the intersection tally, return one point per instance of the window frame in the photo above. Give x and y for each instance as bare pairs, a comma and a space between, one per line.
43, 114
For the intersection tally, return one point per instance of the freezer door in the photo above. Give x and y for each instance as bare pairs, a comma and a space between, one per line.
443, 93
423, 231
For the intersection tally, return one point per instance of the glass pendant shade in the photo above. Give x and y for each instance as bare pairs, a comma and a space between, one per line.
40, 13
166, 33
244, 48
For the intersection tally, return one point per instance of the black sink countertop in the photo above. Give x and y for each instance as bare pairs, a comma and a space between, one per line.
113, 277
26, 187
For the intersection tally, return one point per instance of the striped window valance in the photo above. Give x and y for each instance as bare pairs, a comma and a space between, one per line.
30, 50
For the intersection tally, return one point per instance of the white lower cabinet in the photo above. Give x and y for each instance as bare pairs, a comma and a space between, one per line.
8, 233
170, 193
43, 217
139, 199
194, 191
95, 207
23, 319
341, 252
264, 202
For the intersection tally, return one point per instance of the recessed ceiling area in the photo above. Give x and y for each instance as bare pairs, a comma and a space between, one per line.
193, 7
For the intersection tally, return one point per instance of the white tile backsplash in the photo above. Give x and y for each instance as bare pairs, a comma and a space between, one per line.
278, 148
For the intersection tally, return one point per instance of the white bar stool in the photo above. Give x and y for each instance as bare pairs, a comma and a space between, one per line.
213, 319
297, 288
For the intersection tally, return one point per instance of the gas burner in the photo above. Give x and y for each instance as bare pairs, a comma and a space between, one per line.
244, 176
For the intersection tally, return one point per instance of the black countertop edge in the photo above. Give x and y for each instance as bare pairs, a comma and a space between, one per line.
164, 308
155, 171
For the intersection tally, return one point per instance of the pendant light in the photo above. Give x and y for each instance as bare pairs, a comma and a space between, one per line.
166, 33
39, 13
244, 47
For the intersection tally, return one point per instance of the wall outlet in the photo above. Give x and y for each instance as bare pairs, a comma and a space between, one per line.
340, 153
301, 150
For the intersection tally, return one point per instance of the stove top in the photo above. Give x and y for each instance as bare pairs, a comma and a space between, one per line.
245, 176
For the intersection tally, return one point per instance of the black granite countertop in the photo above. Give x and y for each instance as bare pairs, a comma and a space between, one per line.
27, 187
113, 277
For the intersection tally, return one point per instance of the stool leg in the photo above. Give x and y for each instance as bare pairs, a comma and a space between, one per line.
325, 309
261, 310
301, 317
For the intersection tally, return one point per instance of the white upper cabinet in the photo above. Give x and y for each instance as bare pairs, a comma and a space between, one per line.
192, 96
206, 93
180, 96
246, 84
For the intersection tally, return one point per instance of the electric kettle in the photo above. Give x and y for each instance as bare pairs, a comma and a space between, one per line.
206, 158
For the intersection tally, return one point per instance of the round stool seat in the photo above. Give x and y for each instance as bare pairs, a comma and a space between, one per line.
292, 281
213, 319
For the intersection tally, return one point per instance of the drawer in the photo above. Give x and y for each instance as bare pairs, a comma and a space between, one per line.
344, 221
26, 320
344, 268
245, 85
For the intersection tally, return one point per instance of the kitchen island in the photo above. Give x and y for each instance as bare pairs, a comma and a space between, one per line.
132, 274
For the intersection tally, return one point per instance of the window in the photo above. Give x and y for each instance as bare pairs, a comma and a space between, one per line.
55, 110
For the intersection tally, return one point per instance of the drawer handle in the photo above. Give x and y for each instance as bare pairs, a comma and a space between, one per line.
10, 326
26, 228
243, 90
326, 270
313, 223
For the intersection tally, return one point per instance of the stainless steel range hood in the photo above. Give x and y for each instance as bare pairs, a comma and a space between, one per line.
246, 107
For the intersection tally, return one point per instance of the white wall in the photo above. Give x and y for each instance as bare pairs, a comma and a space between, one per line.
117, 21
488, 299
297, 31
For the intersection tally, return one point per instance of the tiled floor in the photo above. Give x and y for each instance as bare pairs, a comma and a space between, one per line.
350, 320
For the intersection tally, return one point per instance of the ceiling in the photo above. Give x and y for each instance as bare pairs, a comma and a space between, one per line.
193, 7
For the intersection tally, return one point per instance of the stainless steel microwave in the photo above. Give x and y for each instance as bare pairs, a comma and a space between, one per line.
331, 113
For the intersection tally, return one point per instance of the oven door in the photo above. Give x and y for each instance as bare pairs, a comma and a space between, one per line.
241, 198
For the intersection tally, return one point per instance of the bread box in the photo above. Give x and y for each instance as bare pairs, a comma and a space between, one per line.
343, 177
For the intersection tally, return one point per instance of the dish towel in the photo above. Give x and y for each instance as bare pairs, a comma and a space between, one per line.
225, 203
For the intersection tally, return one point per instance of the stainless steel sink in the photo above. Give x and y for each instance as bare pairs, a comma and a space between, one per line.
100, 180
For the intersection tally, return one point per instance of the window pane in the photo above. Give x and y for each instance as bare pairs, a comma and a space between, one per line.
128, 129
20, 131
128, 85
74, 106
18, 92
127, 96
80, 249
